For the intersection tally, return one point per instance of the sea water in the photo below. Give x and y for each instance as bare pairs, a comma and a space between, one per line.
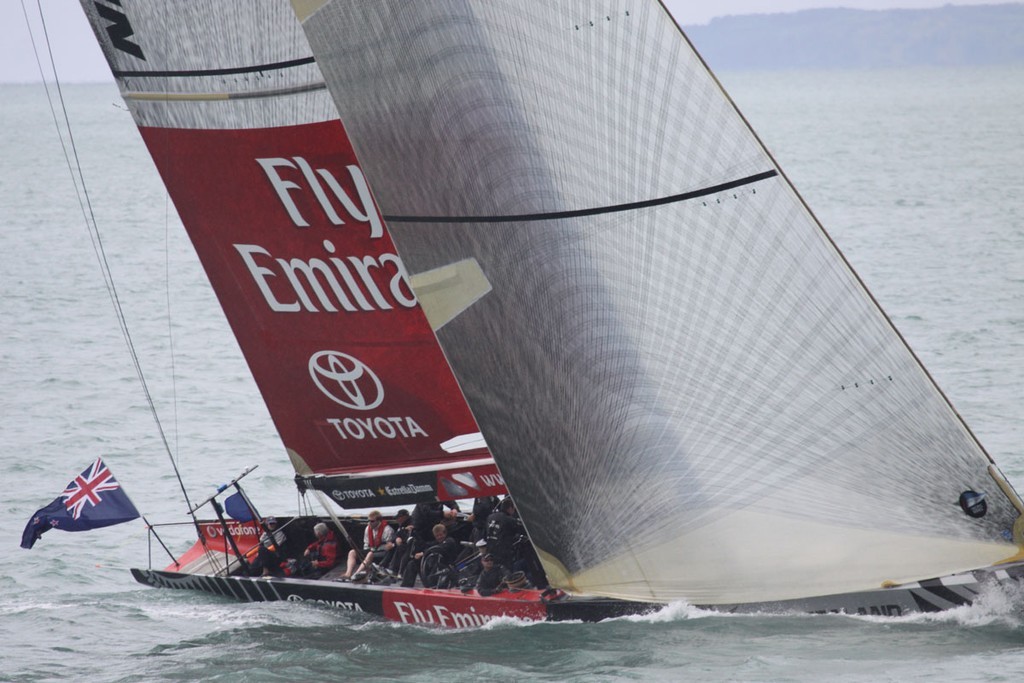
917, 174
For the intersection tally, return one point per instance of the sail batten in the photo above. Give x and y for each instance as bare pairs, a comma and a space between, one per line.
689, 399
220, 71
592, 211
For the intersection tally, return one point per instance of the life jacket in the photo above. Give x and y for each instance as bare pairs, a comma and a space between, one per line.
375, 539
324, 553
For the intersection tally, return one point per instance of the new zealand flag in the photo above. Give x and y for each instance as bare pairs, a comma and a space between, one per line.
92, 500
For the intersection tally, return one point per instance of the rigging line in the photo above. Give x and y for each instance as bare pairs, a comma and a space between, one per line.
94, 233
53, 114
170, 329
593, 211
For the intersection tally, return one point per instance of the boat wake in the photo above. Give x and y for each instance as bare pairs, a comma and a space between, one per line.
999, 605
247, 615
674, 611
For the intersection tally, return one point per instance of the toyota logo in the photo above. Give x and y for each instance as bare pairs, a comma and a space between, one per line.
346, 380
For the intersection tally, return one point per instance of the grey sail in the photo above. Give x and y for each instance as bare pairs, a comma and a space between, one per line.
687, 389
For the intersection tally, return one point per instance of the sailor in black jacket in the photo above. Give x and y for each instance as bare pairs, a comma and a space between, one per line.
503, 528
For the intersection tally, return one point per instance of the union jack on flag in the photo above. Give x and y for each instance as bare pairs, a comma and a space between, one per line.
92, 500
87, 486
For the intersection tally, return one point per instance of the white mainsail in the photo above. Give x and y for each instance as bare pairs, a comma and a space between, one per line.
686, 387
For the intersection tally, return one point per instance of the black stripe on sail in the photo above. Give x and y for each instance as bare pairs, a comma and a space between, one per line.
594, 211
276, 66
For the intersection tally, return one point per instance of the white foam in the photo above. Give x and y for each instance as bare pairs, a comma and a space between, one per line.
674, 611
996, 604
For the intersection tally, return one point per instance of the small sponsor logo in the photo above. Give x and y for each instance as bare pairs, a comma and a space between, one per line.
352, 494
342, 495
406, 490
215, 531
346, 380
360, 428
340, 604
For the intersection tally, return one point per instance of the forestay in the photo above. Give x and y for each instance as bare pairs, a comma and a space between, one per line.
233, 109
686, 388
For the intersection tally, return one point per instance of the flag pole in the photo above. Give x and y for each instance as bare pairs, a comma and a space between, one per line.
151, 530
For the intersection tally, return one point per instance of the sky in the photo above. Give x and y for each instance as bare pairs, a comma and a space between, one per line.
78, 58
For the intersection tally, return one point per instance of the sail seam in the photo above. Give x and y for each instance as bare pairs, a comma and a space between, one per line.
594, 211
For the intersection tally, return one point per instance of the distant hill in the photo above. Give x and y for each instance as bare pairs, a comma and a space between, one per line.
843, 38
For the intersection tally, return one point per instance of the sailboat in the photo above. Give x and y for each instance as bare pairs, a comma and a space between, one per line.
484, 246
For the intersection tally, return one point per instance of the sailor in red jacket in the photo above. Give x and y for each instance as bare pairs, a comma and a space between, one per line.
322, 553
